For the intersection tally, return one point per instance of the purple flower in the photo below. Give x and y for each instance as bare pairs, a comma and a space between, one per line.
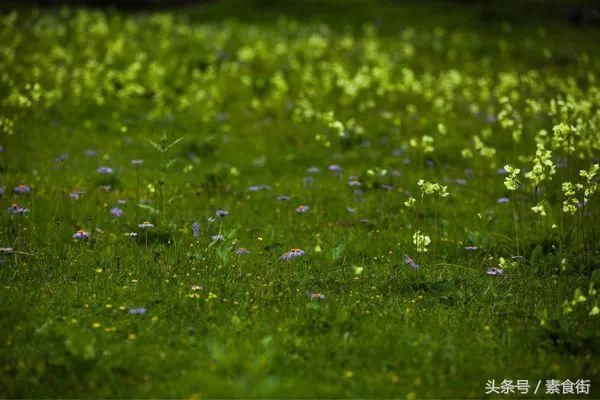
81, 234
137, 311
315, 296
76, 195
16, 209
222, 213
491, 118
307, 181
495, 271
409, 261
195, 229
2, 190
22, 189
301, 209
105, 170
242, 251
137, 162
501, 171
471, 248
502, 200
116, 212
258, 188
387, 187
336, 169
293, 253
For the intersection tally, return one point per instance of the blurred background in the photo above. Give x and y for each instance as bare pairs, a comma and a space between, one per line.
585, 13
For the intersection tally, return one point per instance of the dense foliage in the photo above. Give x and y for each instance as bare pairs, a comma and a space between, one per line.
198, 207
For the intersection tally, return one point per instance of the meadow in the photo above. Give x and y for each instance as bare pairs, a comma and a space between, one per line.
376, 200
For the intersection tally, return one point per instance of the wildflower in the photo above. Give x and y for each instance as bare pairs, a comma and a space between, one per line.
258, 188
121, 201
81, 234
421, 241
354, 183
293, 253
564, 137
512, 181
461, 181
471, 248
387, 187
195, 229
106, 188
307, 181
222, 213
336, 169
410, 202
242, 251
22, 189
105, 170
428, 188
351, 210
15, 209
543, 166
62, 157
220, 236
6, 250
2, 190
116, 212
75, 195
210, 219
197, 288
313, 170
283, 198
146, 225
315, 296
409, 261
137, 311
137, 162
495, 271
133, 235
301, 209
539, 208
502, 200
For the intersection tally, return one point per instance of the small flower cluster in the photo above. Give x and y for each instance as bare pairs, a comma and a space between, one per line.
293, 253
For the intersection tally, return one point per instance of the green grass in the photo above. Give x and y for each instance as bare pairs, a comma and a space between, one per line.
256, 100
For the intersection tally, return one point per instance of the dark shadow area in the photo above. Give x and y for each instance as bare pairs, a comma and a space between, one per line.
577, 13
